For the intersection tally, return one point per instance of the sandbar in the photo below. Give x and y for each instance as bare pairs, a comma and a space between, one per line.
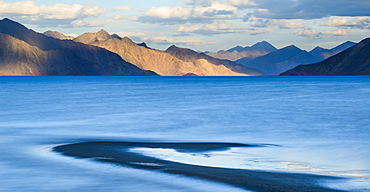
255, 180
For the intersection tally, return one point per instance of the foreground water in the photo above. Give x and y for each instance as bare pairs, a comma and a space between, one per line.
316, 125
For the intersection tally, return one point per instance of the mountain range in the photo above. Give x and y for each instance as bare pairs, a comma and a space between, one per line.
26, 52
289, 57
239, 52
322, 53
175, 61
167, 63
100, 53
352, 61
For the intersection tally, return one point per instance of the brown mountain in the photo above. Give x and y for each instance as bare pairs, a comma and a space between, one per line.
352, 61
31, 53
238, 52
58, 35
189, 55
20, 58
89, 38
170, 64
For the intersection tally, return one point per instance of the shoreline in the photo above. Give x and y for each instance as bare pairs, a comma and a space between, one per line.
260, 181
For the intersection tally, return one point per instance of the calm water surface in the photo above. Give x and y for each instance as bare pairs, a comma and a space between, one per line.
316, 125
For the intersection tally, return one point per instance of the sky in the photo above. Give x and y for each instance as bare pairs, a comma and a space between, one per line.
202, 25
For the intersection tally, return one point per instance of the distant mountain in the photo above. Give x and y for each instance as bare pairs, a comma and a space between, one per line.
260, 46
102, 35
322, 54
192, 56
279, 61
342, 47
57, 35
25, 52
238, 52
352, 61
164, 63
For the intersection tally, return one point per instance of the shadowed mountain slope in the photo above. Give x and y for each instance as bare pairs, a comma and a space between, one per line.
57, 35
101, 61
238, 52
322, 54
19, 58
279, 61
192, 56
352, 61
89, 38
164, 63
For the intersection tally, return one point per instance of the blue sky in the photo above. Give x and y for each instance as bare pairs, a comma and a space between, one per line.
204, 25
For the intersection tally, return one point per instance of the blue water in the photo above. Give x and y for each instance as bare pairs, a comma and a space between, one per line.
320, 125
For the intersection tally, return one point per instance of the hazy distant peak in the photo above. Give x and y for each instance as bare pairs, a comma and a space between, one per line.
291, 48
57, 35
172, 47
352, 61
238, 48
101, 35
318, 48
343, 46
260, 46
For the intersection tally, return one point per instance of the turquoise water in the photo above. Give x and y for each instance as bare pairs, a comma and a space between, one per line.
316, 125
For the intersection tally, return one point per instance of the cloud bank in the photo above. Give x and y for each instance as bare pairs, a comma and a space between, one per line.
182, 14
54, 15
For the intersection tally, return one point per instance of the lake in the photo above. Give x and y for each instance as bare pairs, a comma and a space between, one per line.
314, 125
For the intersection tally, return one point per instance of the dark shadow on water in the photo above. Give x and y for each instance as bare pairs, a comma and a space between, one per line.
261, 181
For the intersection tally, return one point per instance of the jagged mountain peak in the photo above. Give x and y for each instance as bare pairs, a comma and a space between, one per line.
57, 35
128, 41
318, 48
238, 48
10, 25
102, 31
101, 35
172, 47
259, 46
352, 61
143, 44
57, 56
343, 47
291, 48
183, 53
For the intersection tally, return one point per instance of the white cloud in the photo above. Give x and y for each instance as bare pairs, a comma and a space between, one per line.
72, 34
219, 28
242, 3
282, 24
313, 34
168, 41
181, 14
355, 23
58, 14
122, 8
198, 2
84, 23
310, 9
131, 34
